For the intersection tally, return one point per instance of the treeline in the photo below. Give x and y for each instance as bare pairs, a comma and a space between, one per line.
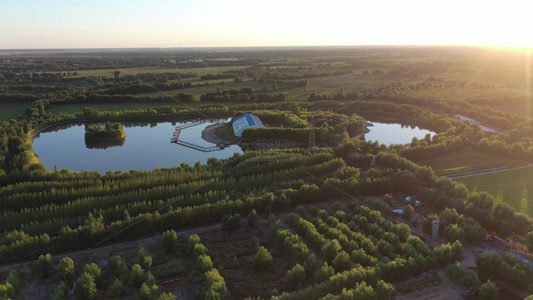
439, 193
156, 77
243, 95
507, 268
110, 131
286, 73
143, 88
163, 207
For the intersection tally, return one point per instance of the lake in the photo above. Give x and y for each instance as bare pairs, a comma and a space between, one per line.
148, 146
145, 147
394, 133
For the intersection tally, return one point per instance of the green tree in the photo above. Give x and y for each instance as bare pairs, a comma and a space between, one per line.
137, 275
122, 270
7, 291
166, 296
453, 232
296, 274
116, 289
44, 265
146, 292
60, 292
342, 261
86, 286
116, 74
216, 286
200, 249
231, 222
488, 291
93, 269
384, 290
144, 258
204, 263
330, 249
324, 273
170, 240
193, 240
252, 218
262, 258
66, 269
408, 212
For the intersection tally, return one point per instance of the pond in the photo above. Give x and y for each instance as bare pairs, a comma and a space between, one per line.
145, 147
394, 133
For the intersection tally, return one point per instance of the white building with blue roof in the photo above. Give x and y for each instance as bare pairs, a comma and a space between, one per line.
245, 121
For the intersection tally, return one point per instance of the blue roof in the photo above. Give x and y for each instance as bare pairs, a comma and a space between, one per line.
245, 121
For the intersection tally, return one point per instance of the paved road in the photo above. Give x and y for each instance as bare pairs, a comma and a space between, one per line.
489, 172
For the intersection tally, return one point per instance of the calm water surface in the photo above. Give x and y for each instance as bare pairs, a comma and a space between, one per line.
394, 133
145, 148
148, 146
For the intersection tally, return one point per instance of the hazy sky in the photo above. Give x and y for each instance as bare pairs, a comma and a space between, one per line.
187, 23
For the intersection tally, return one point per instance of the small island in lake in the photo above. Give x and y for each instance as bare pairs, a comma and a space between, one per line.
109, 132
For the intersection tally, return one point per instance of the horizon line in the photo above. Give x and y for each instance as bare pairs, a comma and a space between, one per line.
250, 46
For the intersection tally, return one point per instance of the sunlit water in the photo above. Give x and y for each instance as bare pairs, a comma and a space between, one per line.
145, 148
394, 133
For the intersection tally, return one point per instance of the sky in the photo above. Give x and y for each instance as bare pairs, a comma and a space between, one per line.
42, 24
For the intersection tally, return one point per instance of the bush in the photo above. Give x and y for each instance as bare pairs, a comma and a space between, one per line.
172, 268
204, 263
170, 240
262, 259
196, 277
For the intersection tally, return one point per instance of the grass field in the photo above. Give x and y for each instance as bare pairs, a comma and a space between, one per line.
11, 110
513, 187
465, 160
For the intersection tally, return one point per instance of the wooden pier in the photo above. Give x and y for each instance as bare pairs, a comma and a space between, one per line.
200, 148
176, 136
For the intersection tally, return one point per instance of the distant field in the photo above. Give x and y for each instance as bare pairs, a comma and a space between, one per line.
513, 187
463, 161
10, 111
78, 108
134, 71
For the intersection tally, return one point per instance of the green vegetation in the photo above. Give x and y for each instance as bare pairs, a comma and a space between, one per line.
407, 287
467, 160
512, 187
331, 232
12, 110
110, 131
226, 132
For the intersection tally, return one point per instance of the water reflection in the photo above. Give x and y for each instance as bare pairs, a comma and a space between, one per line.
104, 144
147, 146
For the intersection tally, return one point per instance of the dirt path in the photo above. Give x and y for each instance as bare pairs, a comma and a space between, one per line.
106, 250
